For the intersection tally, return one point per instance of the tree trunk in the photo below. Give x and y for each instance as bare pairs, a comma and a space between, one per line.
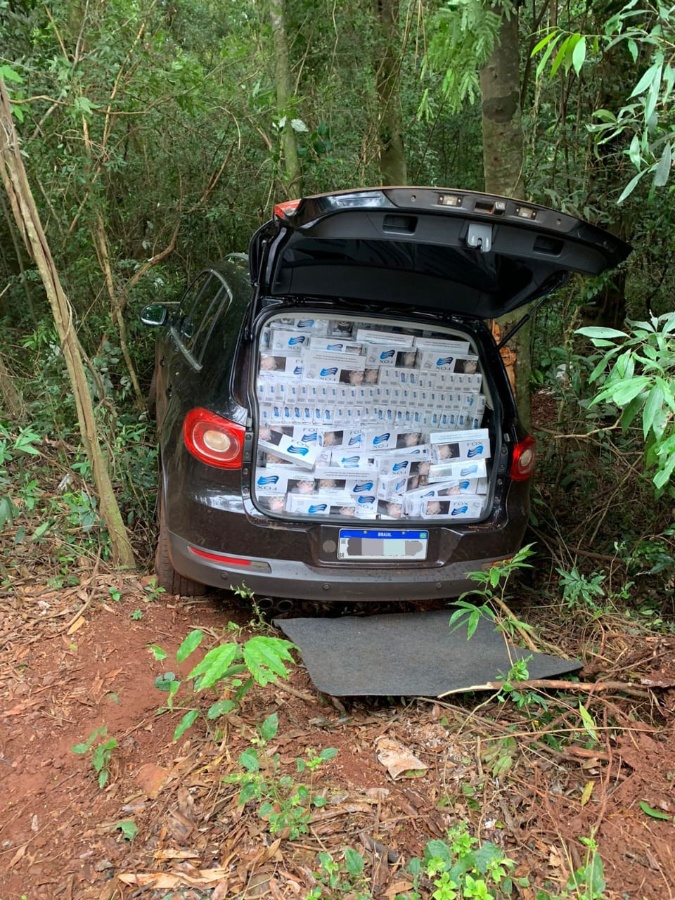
388, 83
501, 118
284, 80
503, 163
28, 221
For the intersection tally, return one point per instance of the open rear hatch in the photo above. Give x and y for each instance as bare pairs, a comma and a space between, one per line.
374, 399
457, 252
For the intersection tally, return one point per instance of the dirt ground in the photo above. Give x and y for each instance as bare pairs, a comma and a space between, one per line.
534, 782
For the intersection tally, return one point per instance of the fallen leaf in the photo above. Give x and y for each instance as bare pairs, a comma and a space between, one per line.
17, 856
164, 880
77, 624
221, 891
397, 759
586, 793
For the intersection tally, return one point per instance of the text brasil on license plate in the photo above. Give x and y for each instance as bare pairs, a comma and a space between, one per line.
382, 543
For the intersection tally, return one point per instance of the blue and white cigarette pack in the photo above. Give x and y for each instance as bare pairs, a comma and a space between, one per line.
466, 507
287, 447
447, 445
457, 469
288, 341
335, 345
350, 481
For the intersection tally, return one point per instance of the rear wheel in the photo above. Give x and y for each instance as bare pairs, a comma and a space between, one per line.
167, 577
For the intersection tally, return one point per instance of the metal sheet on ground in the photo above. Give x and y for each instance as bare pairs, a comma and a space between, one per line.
408, 655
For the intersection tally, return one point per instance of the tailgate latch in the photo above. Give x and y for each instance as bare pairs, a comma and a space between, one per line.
479, 236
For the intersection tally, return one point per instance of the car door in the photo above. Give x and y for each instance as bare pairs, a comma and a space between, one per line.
180, 361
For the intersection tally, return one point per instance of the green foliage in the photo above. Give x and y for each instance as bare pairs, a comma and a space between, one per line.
340, 878
581, 589
286, 805
128, 828
101, 753
461, 867
259, 660
462, 36
494, 582
647, 123
636, 375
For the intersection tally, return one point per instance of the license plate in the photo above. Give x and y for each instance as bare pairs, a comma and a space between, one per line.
382, 544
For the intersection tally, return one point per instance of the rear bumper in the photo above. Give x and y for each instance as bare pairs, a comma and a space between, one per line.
299, 581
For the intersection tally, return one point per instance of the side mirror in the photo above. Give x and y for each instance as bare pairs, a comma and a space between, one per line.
154, 314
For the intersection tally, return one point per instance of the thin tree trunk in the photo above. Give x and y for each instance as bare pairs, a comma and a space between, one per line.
388, 84
117, 304
503, 164
284, 84
28, 221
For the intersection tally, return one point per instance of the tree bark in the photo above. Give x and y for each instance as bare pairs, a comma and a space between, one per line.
284, 84
28, 221
503, 164
388, 84
501, 116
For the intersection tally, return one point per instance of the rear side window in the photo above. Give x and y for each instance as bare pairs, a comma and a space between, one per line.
198, 311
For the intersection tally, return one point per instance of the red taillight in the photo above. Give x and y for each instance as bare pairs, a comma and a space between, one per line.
220, 557
524, 458
214, 440
287, 208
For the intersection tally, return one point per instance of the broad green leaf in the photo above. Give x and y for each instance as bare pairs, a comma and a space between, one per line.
354, 862
547, 54
623, 392
249, 760
652, 73
653, 407
635, 152
655, 813
214, 665
157, 652
437, 849
189, 645
486, 854
596, 332
128, 828
630, 187
662, 171
265, 657
579, 55
186, 722
544, 41
9, 74
329, 753
220, 708
474, 619
561, 56
270, 727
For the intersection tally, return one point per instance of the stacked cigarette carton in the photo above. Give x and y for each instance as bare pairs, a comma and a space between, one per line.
360, 420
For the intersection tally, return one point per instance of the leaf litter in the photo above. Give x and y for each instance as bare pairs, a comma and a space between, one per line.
167, 820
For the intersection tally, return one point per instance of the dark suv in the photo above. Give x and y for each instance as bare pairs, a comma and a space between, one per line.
335, 421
